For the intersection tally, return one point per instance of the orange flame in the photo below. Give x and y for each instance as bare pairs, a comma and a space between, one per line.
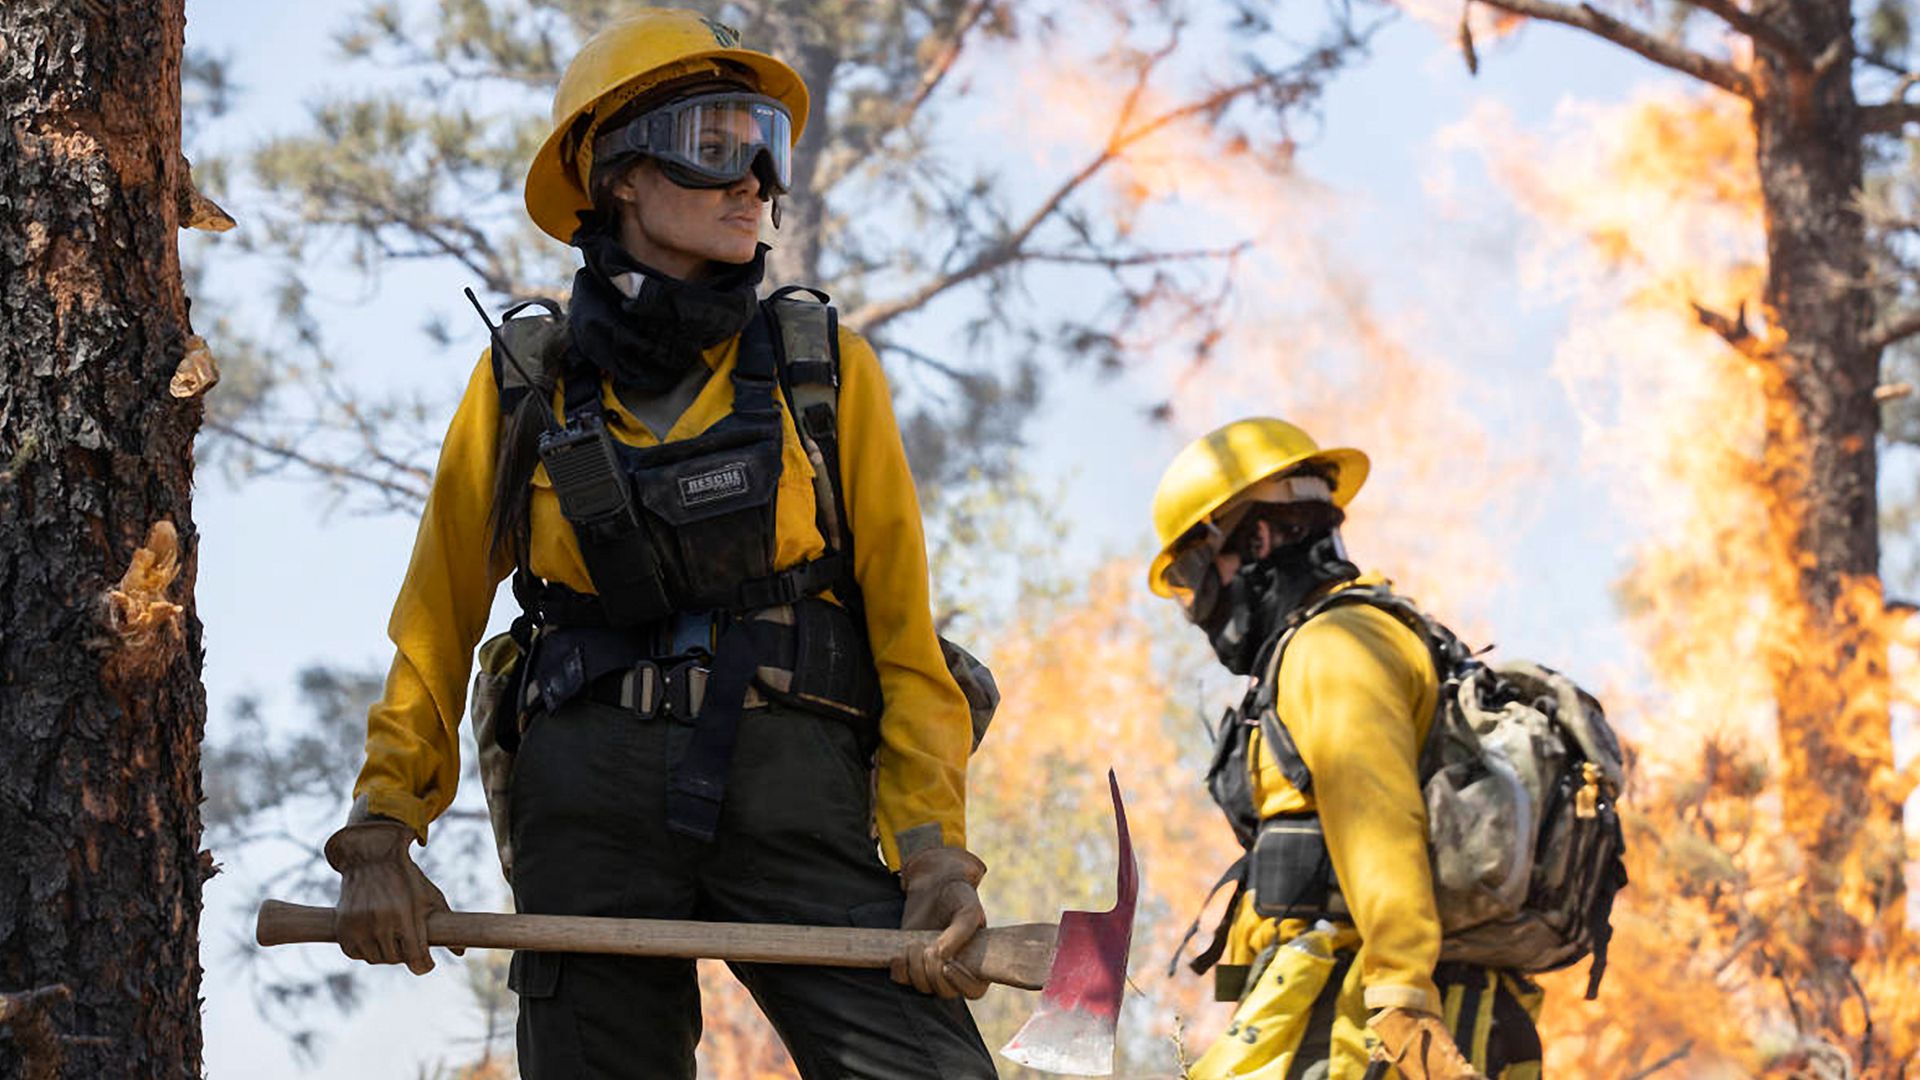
1638, 212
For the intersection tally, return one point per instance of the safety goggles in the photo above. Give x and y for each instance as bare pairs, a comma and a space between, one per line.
1190, 571
1193, 560
710, 141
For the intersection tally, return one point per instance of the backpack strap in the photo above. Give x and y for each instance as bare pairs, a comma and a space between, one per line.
1236, 876
1447, 652
807, 351
537, 342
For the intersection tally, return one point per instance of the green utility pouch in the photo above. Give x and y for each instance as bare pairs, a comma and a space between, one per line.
976, 684
496, 698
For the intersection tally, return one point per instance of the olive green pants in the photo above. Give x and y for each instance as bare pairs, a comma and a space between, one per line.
794, 846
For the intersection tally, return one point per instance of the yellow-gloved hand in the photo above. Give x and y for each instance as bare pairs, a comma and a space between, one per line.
384, 898
1419, 1045
941, 896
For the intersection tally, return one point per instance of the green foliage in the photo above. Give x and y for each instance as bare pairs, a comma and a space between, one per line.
1889, 27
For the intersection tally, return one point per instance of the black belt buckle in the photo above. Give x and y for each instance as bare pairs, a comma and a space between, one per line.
684, 690
640, 688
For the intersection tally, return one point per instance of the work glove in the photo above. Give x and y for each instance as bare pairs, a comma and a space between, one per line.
940, 896
384, 898
1419, 1045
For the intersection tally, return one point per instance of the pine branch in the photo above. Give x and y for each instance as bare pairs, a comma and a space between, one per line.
1763, 33
1892, 332
398, 493
1733, 330
1012, 247
927, 360
1665, 53
1889, 118
943, 60
1684, 1049
1141, 258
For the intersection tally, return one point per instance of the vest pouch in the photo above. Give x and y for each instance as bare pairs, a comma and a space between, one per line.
713, 511
496, 712
976, 684
814, 655
1291, 872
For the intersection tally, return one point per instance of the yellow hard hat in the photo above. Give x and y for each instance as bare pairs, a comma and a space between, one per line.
644, 50
1215, 469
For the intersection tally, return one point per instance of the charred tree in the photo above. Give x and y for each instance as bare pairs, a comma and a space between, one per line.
101, 707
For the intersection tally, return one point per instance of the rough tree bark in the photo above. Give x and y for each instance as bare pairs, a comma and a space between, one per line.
101, 707
1821, 452
795, 259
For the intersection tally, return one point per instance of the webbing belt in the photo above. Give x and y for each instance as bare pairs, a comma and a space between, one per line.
699, 782
561, 606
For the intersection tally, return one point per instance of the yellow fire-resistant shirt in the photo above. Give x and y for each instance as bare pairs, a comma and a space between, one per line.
413, 752
1357, 692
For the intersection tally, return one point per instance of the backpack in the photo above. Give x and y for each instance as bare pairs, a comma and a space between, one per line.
1520, 773
807, 356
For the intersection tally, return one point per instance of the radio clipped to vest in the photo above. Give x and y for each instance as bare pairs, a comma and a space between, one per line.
597, 500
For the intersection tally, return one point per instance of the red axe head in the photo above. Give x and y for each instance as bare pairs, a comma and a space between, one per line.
1072, 1031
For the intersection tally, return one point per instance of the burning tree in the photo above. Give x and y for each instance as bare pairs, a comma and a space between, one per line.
101, 706
1813, 904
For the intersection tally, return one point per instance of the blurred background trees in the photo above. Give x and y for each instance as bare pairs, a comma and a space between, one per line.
1738, 256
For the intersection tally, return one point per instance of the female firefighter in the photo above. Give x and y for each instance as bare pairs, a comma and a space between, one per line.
730, 678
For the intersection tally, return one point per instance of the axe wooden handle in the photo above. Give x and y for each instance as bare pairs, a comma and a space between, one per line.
1010, 955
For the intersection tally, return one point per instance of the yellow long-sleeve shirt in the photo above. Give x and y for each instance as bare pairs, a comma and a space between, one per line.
1356, 689
413, 750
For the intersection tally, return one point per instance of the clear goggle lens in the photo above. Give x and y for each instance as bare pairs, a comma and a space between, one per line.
1193, 560
711, 140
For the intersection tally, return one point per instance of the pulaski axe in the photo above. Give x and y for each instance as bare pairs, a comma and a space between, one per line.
1079, 965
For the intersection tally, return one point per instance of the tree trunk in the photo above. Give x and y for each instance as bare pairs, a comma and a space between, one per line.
795, 259
101, 707
1830, 665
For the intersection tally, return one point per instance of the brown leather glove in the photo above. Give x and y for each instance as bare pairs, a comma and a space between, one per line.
1419, 1045
384, 898
940, 896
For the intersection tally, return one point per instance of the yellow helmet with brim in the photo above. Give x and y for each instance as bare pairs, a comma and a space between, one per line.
1214, 471
649, 49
